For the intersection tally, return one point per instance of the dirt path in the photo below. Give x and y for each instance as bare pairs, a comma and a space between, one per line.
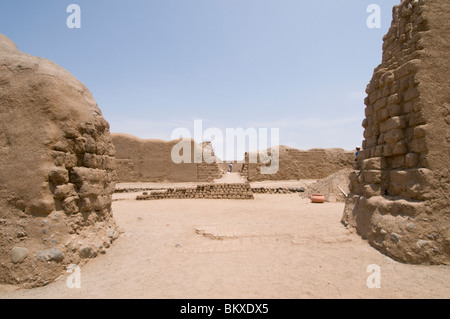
277, 246
230, 178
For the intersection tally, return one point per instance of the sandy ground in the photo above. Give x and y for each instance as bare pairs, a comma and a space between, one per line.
230, 178
276, 246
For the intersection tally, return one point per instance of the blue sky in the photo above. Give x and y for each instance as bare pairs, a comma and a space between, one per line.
156, 65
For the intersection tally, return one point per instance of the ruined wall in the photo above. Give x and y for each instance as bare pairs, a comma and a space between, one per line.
296, 164
204, 191
209, 169
150, 160
208, 172
57, 170
400, 198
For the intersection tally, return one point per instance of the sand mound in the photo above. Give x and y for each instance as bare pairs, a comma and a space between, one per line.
330, 185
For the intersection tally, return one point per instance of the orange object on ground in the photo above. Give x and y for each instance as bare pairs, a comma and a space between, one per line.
318, 198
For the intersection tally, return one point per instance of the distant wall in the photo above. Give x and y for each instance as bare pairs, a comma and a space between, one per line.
140, 160
296, 164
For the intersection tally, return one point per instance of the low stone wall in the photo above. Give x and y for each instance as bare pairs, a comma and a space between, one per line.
208, 191
277, 190
186, 192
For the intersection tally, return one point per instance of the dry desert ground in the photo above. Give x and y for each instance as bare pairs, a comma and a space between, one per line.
275, 246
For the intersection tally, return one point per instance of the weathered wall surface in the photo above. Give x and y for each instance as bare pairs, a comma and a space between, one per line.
203, 191
210, 168
57, 170
297, 164
140, 160
400, 198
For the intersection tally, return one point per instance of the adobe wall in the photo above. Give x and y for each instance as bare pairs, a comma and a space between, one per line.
209, 169
204, 191
399, 197
57, 171
140, 160
296, 164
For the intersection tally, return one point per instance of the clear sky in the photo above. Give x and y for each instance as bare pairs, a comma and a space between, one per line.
156, 65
